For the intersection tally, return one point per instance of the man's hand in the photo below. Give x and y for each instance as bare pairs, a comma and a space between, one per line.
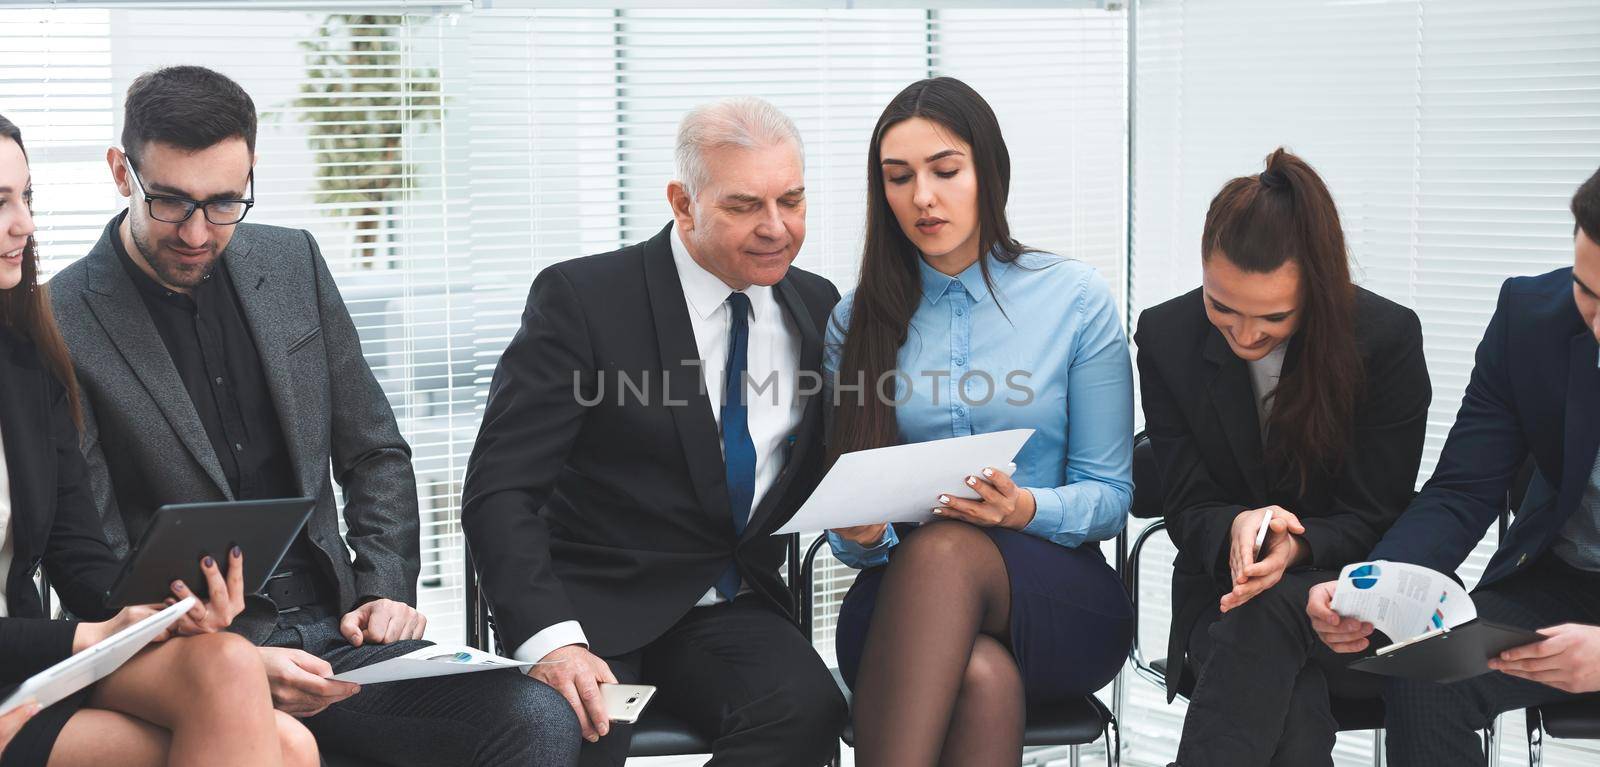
1280, 551
1569, 660
382, 621
1339, 633
578, 675
298, 685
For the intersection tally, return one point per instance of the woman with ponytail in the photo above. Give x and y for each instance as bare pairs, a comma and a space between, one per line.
1278, 391
955, 329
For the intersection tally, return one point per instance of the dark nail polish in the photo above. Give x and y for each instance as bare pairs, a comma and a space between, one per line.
235, 552
208, 561
178, 586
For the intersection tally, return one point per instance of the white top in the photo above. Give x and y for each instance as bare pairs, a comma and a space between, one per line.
7, 550
772, 364
1264, 374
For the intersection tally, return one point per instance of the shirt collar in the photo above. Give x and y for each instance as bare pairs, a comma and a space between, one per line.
935, 284
706, 292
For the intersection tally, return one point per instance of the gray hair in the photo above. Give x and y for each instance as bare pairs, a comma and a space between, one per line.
743, 121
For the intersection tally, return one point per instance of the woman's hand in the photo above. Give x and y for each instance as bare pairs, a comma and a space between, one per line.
90, 634
1281, 550
225, 602
1001, 503
13, 721
865, 536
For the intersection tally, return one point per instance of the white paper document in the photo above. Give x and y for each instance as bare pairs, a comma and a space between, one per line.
95, 663
435, 660
902, 483
1403, 601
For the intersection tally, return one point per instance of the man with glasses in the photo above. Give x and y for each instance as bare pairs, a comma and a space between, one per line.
218, 362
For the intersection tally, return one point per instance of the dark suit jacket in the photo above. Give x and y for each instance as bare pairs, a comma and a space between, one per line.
616, 514
1200, 415
54, 523
141, 430
1534, 391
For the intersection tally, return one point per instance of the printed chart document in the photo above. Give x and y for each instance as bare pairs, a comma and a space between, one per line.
1431, 620
435, 660
901, 483
96, 662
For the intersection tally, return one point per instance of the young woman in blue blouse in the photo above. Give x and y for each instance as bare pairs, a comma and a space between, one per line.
954, 627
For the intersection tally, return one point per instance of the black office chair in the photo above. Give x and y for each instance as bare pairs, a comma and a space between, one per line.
1350, 713
1073, 724
657, 733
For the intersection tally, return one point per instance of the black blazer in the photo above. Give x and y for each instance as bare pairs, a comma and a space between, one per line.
1534, 393
54, 523
615, 513
1200, 414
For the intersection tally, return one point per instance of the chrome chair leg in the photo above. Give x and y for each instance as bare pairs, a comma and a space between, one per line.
1535, 737
1491, 742
1377, 747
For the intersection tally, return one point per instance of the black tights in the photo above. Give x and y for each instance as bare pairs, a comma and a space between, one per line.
937, 683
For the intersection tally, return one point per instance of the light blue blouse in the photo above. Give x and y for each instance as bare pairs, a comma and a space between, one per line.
1050, 355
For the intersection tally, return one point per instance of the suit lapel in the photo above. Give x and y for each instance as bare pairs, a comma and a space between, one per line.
116, 305
263, 308
810, 363
1582, 437
1231, 395
685, 380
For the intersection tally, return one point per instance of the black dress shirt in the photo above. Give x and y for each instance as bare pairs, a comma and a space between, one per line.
209, 339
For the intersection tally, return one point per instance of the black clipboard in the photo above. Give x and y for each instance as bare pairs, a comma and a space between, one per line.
1450, 655
180, 534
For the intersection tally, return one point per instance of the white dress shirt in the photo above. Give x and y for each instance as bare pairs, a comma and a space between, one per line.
7, 549
772, 365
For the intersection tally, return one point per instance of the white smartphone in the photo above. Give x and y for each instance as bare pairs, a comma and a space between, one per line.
1261, 532
624, 702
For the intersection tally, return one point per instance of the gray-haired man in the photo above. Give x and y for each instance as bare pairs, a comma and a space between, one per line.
628, 476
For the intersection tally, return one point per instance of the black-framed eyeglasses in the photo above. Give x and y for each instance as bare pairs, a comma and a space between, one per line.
176, 210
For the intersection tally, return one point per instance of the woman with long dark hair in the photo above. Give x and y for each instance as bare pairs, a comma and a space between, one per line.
1277, 393
197, 699
955, 328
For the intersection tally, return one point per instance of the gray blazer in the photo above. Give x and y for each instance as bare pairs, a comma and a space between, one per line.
140, 422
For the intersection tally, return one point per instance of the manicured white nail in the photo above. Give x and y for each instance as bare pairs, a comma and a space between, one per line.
988, 472
972, 481
944, 499
938, 512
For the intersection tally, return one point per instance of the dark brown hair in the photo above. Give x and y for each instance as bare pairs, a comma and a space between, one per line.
1586, 208
25, 308
890, 284
189, 107
1259, 223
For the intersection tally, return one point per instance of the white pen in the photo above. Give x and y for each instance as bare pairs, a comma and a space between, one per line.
1261, 532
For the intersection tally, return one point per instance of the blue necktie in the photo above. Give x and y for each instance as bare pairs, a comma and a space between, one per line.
738, 450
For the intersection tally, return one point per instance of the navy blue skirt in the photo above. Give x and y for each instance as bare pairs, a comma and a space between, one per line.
1071, 622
